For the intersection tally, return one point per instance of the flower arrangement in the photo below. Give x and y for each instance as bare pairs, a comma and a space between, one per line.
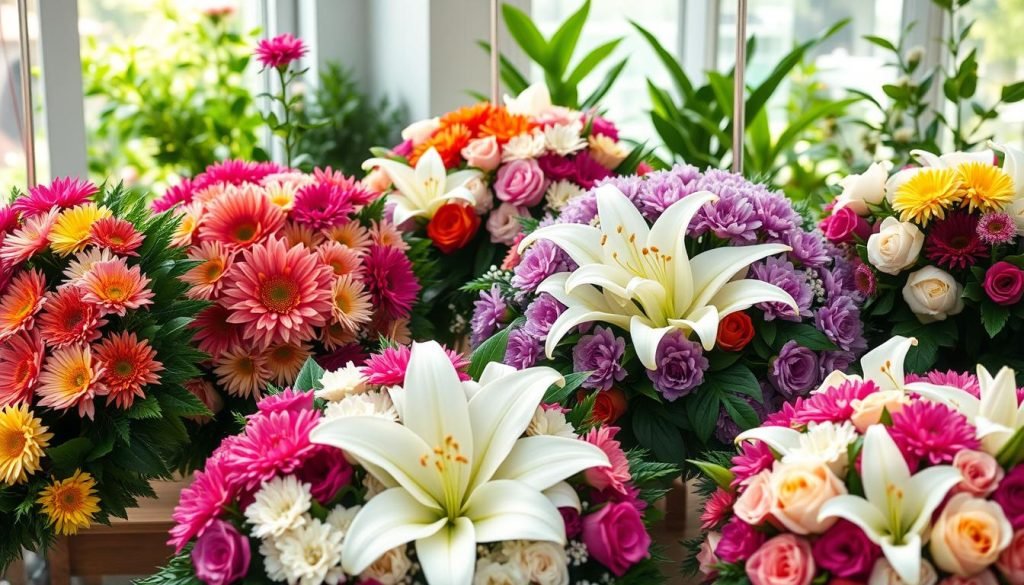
698, 304
938, 254
492, 167
406, 470
885, 478
293, 265
94, 352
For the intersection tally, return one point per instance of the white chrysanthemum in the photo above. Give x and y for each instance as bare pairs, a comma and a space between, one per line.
561, 192
608, 152
826, 442
340, 518
524, 146
272, 560
278, 506
550, 422
340, 383
369, 404
489, 572
543, 563
390, 568
564, 139
311, 554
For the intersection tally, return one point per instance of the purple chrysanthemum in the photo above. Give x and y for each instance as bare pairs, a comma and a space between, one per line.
730, 218
776, 214
489, 311
784, 275
996, 228
600, 353
540, 261
840, 321
661, 190
541, 314
582, 209
681, 366
523, 349
808, 248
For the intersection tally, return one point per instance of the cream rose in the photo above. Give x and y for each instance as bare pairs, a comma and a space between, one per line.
420, 131
868, 411
933, 294
755, 503
884, 574
544, 563
490, 572
969, 535
607, 151
390, 568
483, 200
799, 490
483, 153
866, 188
895, 247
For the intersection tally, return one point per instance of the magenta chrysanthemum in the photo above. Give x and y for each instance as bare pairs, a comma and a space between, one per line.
280, 51
275, 443
864, 279
322, 205
388, 367
954, 243
61, 193
357, 193
753, 458
962, 380
997, 228
291, 400
833, 405
931, 433
390, 281
716, 509
201, 503
235, 172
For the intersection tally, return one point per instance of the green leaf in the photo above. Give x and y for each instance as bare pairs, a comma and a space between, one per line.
740, 411
737, 379
1012, 453
657, 434
70, 455
994, 317
492, 350
606, 84
703, 413
668, 59
147, 407
175, 400
309, 376
526, 34
515, 81
805, 335
722, 476
885, 44
573, 381
590, 61
563, 42
1012, 93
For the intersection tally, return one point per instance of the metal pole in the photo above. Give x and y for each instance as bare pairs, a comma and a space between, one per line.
738, 89
494, 52
28, 131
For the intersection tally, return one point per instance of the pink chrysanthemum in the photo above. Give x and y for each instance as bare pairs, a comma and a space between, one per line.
201, 503
716, 509
289, 399
21, 359
241, 218
388, 367
71, 377
190, 216
129, 365
30, 239
275, 443
953, 242
236, 172
357, 193
213, 333
833, 405
390, 281
322, 205
962, 380
280, 51
21, 301
64, 192
115, 287
344, 261
996, 228
931, 433
616, 477
753, 458
207, 278
8, 220
117, 235
864, 279
67, 318
279, 294
180, 193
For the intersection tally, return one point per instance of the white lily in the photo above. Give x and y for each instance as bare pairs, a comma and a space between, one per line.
656, 287
884, 366
457, 470
420, 191
898, 506
532, 101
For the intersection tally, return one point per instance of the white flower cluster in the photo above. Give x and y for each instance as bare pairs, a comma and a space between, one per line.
522, 563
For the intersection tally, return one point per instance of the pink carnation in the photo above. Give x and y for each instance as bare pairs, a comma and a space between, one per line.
280, 51
322, 205
716, 509
390, 280
272, 444
931, 433
61, 193
288, 400
617, 476
753, 458
388, 367
180, 193
201, 503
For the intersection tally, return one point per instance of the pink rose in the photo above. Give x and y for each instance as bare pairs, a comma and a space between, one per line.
503, 223
221, 555
1004, 283
483, 153
843, 225
755, 503
981, 473
616, 537
1011, 562
520, 182
706, 556
783, 560
982, 578
845, 551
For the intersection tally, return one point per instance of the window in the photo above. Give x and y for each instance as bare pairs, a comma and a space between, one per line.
1000, 60
12, 150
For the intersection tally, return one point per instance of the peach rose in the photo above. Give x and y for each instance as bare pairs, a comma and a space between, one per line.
884, 574
482, 197
799, 489
755, 503
969, 535
419, 131
377, 181
868, 411
1011, 562
981, 473
982, 578
483, 153
783, 560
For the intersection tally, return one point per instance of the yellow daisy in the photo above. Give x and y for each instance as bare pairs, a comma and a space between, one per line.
22, 440
70, 503
927, 195
984, 186
73, 228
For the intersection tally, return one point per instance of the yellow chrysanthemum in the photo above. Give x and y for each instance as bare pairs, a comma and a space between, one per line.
984, 186
70, 503
22, 440
73, 228
927, 195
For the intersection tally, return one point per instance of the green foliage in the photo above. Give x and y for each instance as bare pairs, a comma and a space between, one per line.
344, 123
177, 571
492, 350
170, 106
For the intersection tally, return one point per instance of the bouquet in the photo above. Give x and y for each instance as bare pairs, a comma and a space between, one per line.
697, 305
885, 478
407, 471
938, 253
94, 352
293, 265
464, 185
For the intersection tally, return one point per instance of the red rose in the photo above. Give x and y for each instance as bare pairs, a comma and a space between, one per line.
609, 405
453, 226
735, 331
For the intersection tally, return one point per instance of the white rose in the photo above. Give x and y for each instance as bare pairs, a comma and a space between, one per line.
420, 131
390, 568
896, 246
1016, 211
933, 294
533, 101
503, 223
490, 572
544, 563
865, 188
884, 574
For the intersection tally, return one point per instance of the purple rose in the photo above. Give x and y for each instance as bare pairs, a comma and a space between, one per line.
616, 537
557, 167
739, 541
830, 361
573, 522
588, 170
523, 350
541, 314
1010, 495
326, 471
600, 353
520, 182
221, 555
681, 364
846, 551
840, 321
794, 372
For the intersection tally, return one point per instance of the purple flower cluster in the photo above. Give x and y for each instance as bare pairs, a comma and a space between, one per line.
489, 312
539, 262
601, 354
783, 274
681, 365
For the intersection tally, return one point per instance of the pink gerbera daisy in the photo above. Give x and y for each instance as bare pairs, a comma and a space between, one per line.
116, 288
358, 194
997, 228
71, 377
82, 263
280, 51
21, 301
296, 233
387, 368
716, 509
390, 280
953, 242
21, 359
279, 294
202, 502
213, 333
30, 239
241, 372
931, 433
8, 220
117, 235
384, 233
207, 278
287, 399
242, 217
275, 443
350, 305
129, 366
190, 216
64, 192
180, 193
616, 476
322, 205
68, 318
344, 261
236, 172
961, 380
834, 404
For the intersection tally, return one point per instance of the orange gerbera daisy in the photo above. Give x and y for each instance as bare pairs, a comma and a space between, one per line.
471, 117
22, 440
241, 217
297, 233
449, 142
242, 372
71, 504
30, 239
342, 259
214, 335
502, 125
984, 186
21, 302
68, 318
21, 359
351, 304
189, 219
207, 278
351, 234
115, 287
384, 233
129, 365
83, 263
284, 361
117, 235
71, 377
335, 335
73, 229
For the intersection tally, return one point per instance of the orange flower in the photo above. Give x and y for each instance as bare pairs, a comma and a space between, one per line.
24, 298
21, 359
71, 377
116, 288
449, 142
241, 372
350, 234
116, 235
207, 278
342, 259
128, 367
472, 117
503, 125
284, 361
67, 318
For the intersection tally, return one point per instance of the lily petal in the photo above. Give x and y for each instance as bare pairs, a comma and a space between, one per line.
574, 316
449, 555
510, 510
740, 295
391, 519
704, 322
611, 278
460, 178
882, 465
495, 371
905, 558
925, 492
651, 296
669, 234
563, 495
646, 340
955, 398
402, 175
998, 395
430, 167
624, 229
404, 209
1013, 165
581, 242
715, 267
858, 511
781, 439
542, 461
884, 364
